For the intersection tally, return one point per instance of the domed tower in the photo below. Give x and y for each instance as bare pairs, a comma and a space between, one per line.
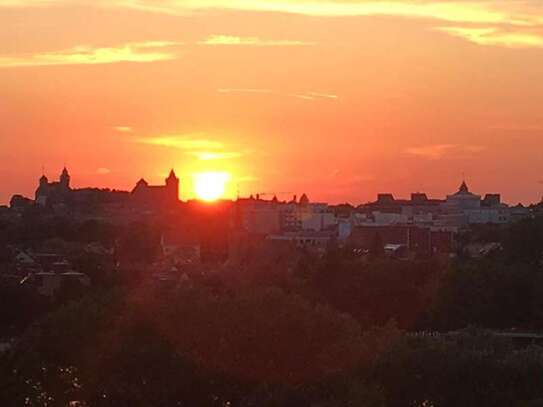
172, 186
65, 179
42, 190
463, 188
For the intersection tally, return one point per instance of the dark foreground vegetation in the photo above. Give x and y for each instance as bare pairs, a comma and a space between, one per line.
337, 330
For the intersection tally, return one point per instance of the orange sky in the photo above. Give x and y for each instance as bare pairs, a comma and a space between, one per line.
339, 99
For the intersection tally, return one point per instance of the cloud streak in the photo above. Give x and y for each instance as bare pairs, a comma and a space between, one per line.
478, 11
182, 142
123, 129
454, 11
195, 145
496, 36
484, 22
250, 41
304, 95
215, 155
438, 151
150, 51
314, 96
245, 90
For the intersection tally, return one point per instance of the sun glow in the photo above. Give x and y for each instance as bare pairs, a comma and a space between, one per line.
210, 186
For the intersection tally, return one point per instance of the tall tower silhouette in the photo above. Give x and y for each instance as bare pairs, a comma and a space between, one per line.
172, 185
65, 179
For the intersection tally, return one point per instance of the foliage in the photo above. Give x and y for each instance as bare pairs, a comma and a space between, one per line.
192, 347
467, 369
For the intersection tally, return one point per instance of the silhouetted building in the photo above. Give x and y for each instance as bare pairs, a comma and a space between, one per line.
463, 199
491, 201
425, 241
419, 203
19, 203
152, 195
53, 192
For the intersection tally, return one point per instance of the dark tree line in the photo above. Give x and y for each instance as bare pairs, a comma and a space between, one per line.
261, 347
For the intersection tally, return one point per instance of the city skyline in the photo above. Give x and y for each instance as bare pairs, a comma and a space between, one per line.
212, 186
271, 203
337, 99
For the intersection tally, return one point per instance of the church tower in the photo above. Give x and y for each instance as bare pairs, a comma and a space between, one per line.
44, 181
172, 186
65, 179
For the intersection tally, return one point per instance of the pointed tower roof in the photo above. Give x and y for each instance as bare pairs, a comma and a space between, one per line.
464, 192
304, 200
65, 171
172, 174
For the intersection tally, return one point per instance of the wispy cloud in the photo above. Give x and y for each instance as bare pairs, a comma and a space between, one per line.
196, 145
455, 11
123, 129
496, 36
215, 155
481, 11
323, 95
183, 142
244, 90
150, 51
483, 22
103, 171
438, 151
28, 3
301, 95
314, 95
250, 41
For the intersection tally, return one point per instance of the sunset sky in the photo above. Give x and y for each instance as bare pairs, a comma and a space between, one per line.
338, 99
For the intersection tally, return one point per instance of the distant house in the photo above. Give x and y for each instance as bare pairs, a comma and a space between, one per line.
180, 247
48, 283
396, 250
479, 250
313, 240
32, 263
25, 264
460, 209
99, 249
47, 272
418, 204
260, 216
19, 203
425, 241
24, 258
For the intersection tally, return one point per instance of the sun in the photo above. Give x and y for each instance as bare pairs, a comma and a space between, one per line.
210, 186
